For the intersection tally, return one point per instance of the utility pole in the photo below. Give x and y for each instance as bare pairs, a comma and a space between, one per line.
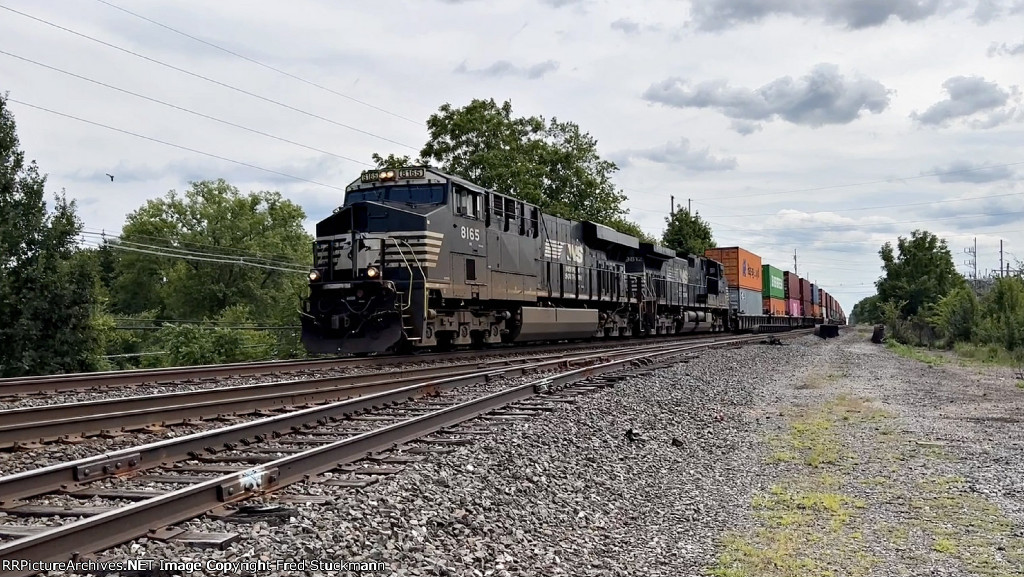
672, 208
973, 261
689, 205
1000, 257
795, 271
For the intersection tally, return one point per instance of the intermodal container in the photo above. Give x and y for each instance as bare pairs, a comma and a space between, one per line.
793, 307
776, 307
742, 267
817, 311
746, 302
815, 295
792, 283
772, 282
805, 290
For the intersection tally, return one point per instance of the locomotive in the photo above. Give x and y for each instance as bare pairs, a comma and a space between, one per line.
416, 258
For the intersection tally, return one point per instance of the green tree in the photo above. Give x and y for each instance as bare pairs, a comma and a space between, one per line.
393, 161
687, 233
228, 249
551, 164
1002, 314
45, 300
866, 311
631, 228
956, 315
921, 274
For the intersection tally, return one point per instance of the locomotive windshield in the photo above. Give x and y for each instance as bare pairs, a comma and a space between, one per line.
408, 193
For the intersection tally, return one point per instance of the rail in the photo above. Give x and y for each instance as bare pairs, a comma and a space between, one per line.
117, 526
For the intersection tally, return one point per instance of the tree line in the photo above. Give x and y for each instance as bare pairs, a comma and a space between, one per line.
924, 301
212, 274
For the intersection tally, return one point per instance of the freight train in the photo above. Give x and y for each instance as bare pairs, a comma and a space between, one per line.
416, 258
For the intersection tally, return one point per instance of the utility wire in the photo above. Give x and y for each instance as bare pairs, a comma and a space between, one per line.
185, 243
150, 138
206, 78
194, 257
257, 62
183, 109
242, 258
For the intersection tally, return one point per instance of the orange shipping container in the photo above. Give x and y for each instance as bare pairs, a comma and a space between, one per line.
775, 307
817, 310
742, 267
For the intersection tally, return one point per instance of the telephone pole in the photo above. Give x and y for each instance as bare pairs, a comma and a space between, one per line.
973, 261
795, 271
672, 208
1000, 257
689, 205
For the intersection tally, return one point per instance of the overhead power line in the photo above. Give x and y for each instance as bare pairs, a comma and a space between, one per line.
183, 109
171, 251
164, 142
206, 78
258, 63
96, 244
188, 243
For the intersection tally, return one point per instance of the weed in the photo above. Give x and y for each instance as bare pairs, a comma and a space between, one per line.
915, 353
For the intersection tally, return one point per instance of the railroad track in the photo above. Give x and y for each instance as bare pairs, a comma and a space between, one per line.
32, 427
216, 470
22, 386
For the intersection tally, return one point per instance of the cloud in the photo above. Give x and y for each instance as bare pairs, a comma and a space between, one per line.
855, 14
965, 171
678, 155
632, 27
626, 25
506, 68
1005, 49
970, 96
823, 96
746, 127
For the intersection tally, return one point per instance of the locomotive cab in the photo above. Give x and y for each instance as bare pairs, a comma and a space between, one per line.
370, 260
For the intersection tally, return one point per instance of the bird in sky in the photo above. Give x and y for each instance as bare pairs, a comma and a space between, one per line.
111, 177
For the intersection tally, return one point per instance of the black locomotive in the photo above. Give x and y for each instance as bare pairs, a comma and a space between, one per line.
417, 258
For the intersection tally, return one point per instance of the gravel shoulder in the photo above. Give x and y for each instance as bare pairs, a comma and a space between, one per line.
882, 465
814, 458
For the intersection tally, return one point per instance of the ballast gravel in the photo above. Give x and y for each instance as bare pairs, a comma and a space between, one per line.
563, 493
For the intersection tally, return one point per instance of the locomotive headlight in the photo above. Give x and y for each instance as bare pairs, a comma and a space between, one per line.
314, 275
372, 272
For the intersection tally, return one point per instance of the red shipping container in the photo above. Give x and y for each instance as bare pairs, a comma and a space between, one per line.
805, 290
793, 307
792, 284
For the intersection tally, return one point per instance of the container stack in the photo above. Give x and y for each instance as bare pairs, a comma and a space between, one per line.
815, 301
743, 272
773, 291
806, 309
792, 284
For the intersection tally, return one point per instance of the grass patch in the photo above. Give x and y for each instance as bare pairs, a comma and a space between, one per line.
988, 355
819, 380
915, 353
966, 527
1020, 384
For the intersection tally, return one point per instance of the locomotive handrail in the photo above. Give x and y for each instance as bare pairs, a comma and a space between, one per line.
423, 274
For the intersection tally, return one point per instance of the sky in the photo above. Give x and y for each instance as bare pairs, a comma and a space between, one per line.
823, 129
